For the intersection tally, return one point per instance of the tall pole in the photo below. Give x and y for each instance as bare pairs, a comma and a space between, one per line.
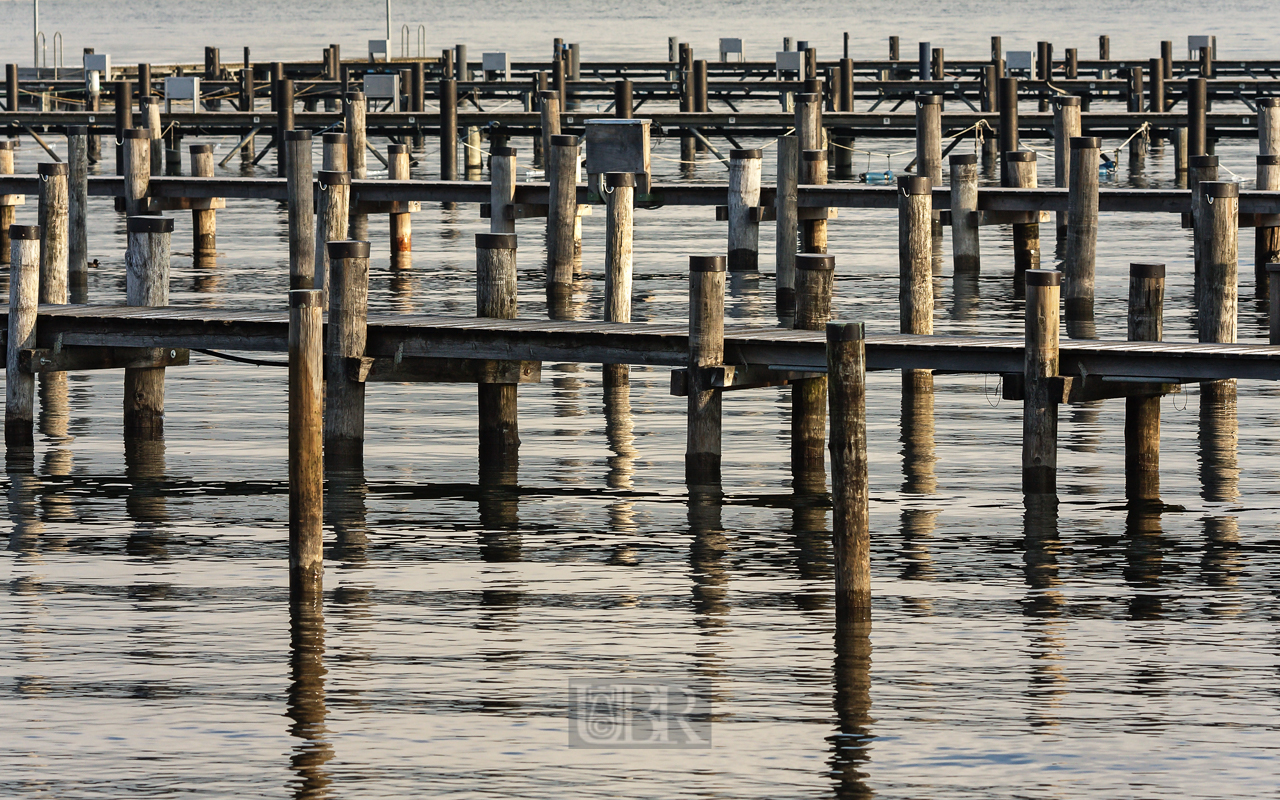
388, 25
35, 35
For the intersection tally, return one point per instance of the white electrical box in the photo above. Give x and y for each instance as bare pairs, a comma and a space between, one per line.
379, 49
730, 49
182, 88
100, 63
493, 63
382, 87
789, 61
1194, 43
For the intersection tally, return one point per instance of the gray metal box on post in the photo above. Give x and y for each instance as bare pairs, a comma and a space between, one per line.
618, 145
99, 63
379, 49
1020, 61
1194, 43
731, 47
495, 63
181, 88
382, 87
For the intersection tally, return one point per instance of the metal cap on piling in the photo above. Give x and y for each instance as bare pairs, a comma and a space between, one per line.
707, 263
201, 149
503, 152
963, 159
914, 184
334, 177
846, 331
1219, 189
1200, 162
77, 130
495, 241
813, 155
24, 232
397, 149
1268, 102
154, 224
818, 261
737, 155
136, 133
1268, 160
1067, 100
50, 168
1043, 277
928, 100
613, 180
1020, 156
1146, 269
348, 248
6, 144
297, 136
334, 138
305, 298
1085, 143
564, 140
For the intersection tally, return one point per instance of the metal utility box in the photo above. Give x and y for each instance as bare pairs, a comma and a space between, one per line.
731, 50
183, 88
100, 63
1194, 43
379, 49
789, 61
382, 87
494, 63
1021, 60
617, 145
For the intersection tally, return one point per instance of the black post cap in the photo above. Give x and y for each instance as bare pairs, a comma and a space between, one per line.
348, 248
1219, 189
201, 149
1067, 100
503, 152
1043, 277
50, 168
150, 225
963, 159
815, 261
613, 180
1086, 143
707, 263
305, 298
27, 232
1020, 156
77, 130
911, 185
297, 136
136, 133
334, 138
846, 331
1146, 269
928, 100
564, 140
1199, 162
737, 155
397, 149
334, 177
495, 241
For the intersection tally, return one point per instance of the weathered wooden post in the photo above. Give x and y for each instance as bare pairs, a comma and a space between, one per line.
1200, 169
744, 199
964, 213
815, 282
204, 221
502, 190
1082, 228
1020, 173
1197, 132
150, 113
331, 223
1142, 414
788, 225
562, 212
302, 221
1155, 89
1043, 388
357, 165
123, 98
1217, 229
137, 171
549, 112
146, 284
813, 229
1008, 100
306, 459
617, 262
401, 227
496, 299
24, 299
1066, 126
77, 210
7, 202
284, 124
1273, 311
850, 495
706, 349
345, 342
1266, 235
929, 137
334, 153
52, 221
915, 255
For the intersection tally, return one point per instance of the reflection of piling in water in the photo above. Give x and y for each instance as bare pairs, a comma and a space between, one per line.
917, 530
814, 281
706, 555
1142, 414
1144, 560
144, 468
851, 742
618, 262
346, 493
918, 455
305, 701
851, 534
706, 349
26, 528
1219, 433
1040, 548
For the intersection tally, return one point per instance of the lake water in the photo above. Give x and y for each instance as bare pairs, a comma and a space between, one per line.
1068, 650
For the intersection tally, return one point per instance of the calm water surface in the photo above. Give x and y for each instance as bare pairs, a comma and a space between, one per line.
146, 644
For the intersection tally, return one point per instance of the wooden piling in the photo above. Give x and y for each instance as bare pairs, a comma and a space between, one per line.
77, 210
1273, 310
850, 495
137, 171
562, 212
549, 109
1197, 103
204, 221
7, 212
401, 226
1155, 86
1142, 414
1218, 232
332, 223
357, 160
345, 341
146, 284
809, 120
788, 224
915, 254
150, 113
813, 232
1008, 133
622, 99
620, 202
1268, 126
1266, 237
302, 221
306, 459
1178, 138
1078, 265
1020, 173
1200, 169
815, 283
123, 98
52, 221
929, 137
706, 349
334, 153
13, 98
1042, 386
744, 199
499, 428
1066, 126
24, 299
964, 214
502, 190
